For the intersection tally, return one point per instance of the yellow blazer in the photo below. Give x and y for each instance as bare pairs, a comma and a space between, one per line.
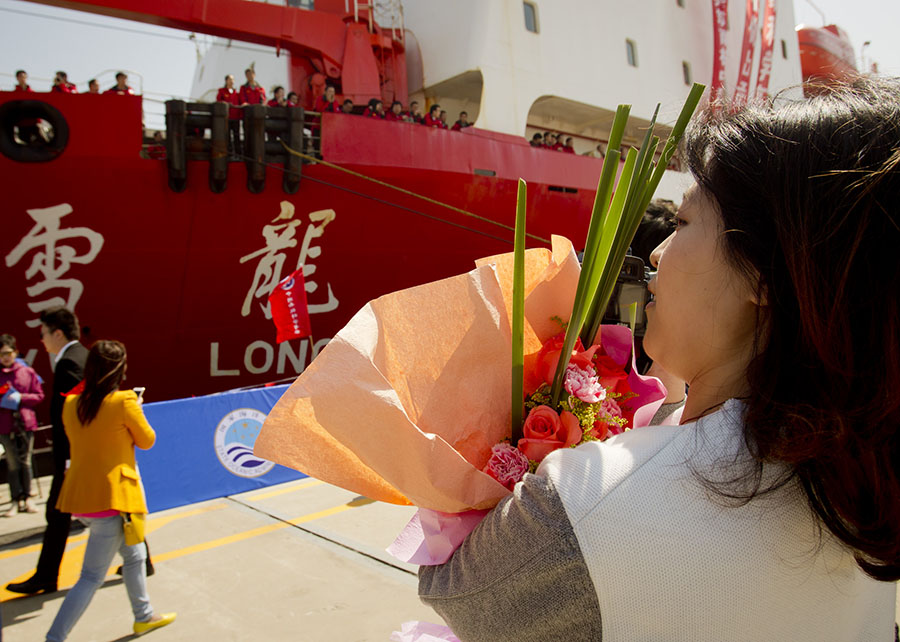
102, 474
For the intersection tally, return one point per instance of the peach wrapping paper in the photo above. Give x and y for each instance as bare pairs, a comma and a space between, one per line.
405, 402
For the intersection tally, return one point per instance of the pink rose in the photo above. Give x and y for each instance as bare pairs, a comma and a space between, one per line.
507, 464
584, 384
545, 431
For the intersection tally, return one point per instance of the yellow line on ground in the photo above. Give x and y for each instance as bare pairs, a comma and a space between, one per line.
239, 537
70, 568
74, 556
282, 491
37, 547
153, 523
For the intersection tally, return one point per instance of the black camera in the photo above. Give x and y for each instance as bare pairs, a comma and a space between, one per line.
631, 288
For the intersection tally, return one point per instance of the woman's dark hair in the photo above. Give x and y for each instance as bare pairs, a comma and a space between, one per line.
103, 372
8, 341
809, 194
434, 108
277, 87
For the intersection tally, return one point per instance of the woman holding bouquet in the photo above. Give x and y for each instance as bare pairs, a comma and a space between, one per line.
773, 511
103, 425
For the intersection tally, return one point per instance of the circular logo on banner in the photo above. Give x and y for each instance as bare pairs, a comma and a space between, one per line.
235, 436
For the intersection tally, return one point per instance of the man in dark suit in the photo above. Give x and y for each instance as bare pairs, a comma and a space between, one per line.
59, 334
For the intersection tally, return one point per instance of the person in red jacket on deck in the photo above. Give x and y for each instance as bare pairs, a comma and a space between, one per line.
433, 117
412, 115
569, 147
462, 123
278, 100
395, 113
347, 107
22, 81
252, 93
228, 94
93, 86
375, 109
292, 99
61, 84
326, 102
121, 87
558, 145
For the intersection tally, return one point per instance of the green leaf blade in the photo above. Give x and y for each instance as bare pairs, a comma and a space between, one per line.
518, 316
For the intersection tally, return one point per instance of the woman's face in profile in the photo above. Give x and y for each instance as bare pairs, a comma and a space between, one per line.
7, 356
703, 317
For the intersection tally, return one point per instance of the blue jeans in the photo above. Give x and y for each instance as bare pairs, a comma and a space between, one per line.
105, 539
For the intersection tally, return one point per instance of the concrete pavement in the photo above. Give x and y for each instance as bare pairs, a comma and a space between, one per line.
301, 561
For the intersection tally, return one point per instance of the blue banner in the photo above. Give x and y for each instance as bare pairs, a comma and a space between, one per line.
204, 448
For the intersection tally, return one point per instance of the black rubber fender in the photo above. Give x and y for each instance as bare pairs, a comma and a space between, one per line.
15, 112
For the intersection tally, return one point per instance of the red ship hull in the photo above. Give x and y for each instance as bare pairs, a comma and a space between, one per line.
182, 278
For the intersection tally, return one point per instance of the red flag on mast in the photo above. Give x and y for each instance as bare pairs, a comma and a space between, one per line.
288, 305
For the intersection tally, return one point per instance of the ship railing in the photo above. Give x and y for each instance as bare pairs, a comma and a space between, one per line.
204, 132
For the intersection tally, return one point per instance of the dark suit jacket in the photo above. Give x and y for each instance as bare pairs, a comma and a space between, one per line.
68, 372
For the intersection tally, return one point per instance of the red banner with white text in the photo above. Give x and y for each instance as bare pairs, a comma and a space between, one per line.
289, 310
766, 51
751, 23
720, 26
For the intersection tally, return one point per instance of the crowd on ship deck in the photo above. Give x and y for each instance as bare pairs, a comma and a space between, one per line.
319, 98
62, 85
252, 93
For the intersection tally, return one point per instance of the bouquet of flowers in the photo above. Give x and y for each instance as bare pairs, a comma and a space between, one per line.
601, 400
410, 402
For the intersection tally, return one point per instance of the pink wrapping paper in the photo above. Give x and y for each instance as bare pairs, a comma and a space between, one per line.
415, 631
405, 402
431, 537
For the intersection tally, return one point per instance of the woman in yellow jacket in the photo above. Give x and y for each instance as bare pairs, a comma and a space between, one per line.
104, 425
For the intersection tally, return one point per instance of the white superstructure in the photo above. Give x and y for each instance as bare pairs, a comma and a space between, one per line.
519, 66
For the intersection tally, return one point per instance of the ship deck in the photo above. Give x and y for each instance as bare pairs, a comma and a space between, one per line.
300, 561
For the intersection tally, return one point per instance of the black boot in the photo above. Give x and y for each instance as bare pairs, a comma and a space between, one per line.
31, 586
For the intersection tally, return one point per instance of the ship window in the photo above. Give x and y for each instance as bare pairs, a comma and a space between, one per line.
631, 52
686, 72
531, 23
784, 49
